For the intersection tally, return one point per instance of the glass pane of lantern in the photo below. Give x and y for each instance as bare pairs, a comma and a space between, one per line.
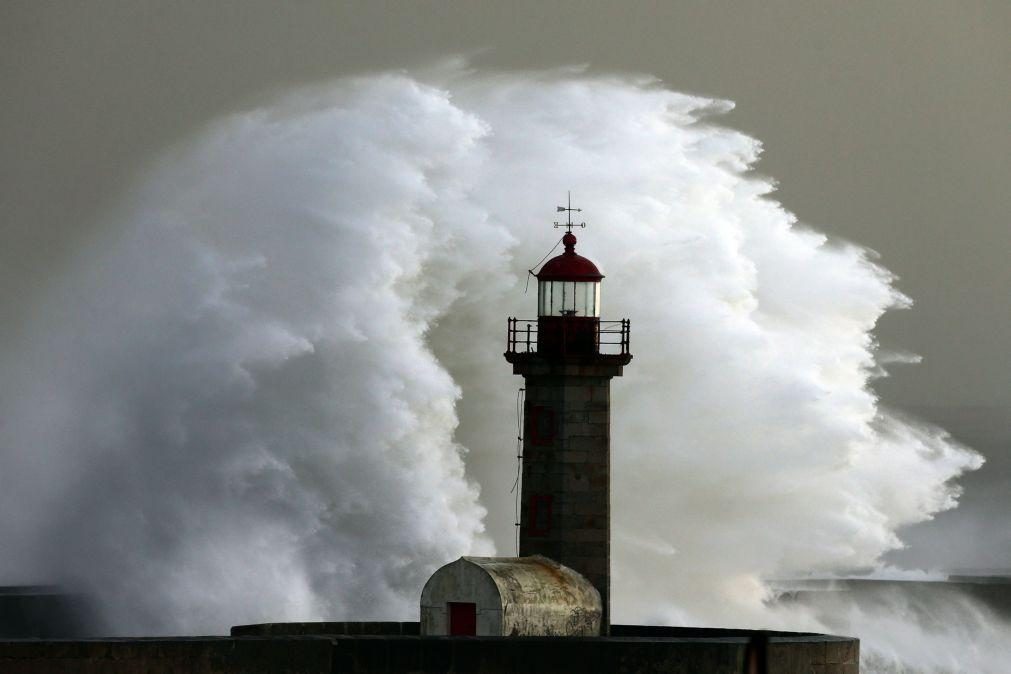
568, 298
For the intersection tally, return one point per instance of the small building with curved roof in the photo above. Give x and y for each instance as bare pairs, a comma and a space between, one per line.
509, 596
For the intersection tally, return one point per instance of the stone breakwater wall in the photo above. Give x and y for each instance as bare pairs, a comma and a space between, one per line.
318, 648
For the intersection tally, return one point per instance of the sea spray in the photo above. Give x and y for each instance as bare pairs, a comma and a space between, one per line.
276, 392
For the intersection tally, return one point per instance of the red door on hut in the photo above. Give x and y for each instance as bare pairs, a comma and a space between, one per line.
462, 619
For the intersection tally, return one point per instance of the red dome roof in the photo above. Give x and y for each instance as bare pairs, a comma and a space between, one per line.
568, 266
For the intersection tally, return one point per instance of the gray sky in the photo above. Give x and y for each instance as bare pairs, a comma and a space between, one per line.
885, 123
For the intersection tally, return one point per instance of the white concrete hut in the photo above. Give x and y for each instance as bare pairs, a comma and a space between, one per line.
509, 596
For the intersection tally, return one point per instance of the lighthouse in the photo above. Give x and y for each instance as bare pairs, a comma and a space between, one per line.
560, 582
567, 357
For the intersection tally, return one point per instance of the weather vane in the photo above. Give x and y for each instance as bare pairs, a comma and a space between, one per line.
569, 210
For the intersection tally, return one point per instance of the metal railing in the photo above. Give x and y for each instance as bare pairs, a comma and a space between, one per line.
611, 337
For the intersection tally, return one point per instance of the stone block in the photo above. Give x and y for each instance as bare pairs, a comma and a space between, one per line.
588, 550
594, 567
577, 429
577, 395
588, 535
577, 483
573, 456
844, 651
599, 459
596, 444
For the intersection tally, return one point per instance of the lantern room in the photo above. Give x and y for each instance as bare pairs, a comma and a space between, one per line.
569, 285
568, 303
568, 324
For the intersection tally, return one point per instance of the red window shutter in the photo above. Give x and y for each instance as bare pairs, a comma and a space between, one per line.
462, 619
541, 425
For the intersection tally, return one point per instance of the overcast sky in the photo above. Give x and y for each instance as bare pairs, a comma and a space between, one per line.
885, 123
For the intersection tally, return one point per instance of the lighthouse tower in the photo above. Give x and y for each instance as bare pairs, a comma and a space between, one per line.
567, 357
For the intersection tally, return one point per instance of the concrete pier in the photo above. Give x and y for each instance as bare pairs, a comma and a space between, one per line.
388, 648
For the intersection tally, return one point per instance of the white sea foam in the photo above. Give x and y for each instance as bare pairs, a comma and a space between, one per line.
274, 392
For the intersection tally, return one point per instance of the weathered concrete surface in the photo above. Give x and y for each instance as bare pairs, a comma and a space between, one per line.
642, 650
645, 655
199, 655
515, 596
328, 628
536, 655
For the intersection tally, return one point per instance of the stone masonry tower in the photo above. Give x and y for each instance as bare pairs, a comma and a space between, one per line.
567, 358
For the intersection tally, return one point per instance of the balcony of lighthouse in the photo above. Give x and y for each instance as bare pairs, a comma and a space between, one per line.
570, 341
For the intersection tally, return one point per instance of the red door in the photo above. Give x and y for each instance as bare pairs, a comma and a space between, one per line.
462, 619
